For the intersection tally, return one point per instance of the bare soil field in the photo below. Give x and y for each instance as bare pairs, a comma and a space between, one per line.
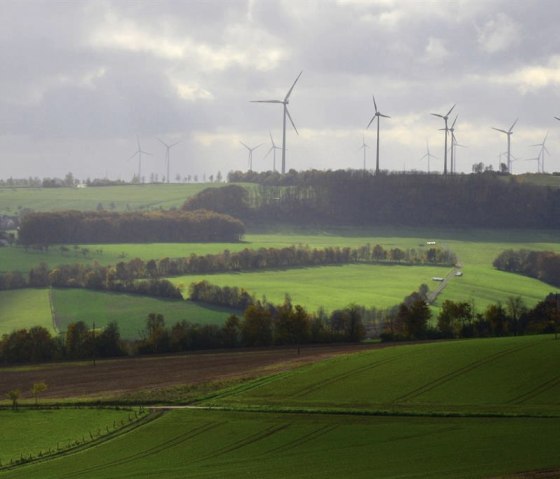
115, 377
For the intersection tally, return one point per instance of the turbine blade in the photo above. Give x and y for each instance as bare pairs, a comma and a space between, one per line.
449, 112
454, 121
437, 114
374, 104
266, 101
290, 90
133, 155
511, 127
503, 131
292, 121
370, 121
257, 146
384, 116
557, 118
245, 145
176, 143
268, 152
271, 140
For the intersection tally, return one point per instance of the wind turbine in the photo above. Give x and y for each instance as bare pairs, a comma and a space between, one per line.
364, 147
558, 118
285, 103
272, 149
377, 114
167, 153
429, 155
445, 118
508, 133
139, 152
250, 154
542, 152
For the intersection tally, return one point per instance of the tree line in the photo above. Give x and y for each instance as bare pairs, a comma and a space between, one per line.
260, 324
68, 227
542, 265
124, 275
351, 197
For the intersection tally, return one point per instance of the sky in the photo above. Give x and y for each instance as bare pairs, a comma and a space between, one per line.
81, 80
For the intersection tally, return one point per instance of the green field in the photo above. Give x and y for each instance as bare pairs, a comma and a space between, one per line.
331, 287
129, 311
117, 198
488, 376
25, 308
460, 409
28, 431
210, 444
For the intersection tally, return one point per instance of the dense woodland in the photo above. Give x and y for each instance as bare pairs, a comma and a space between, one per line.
542, 265
69, 227
352, 197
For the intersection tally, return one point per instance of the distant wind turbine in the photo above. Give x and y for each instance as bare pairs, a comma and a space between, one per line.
446, 129
250, 154
376, 114
558, 118
364, 147
167, 153
508, 133
428, 155
284, 102
542, 152
272, 149
139, 152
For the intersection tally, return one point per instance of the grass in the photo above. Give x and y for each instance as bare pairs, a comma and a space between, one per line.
488, 376
117, 198
25, 308
331, 287
198, 444
34, 431
129, 311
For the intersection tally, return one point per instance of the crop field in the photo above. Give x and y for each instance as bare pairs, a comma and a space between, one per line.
331, 287
489, 376
196, 444
25, 308
320, 420
28, 431
117, 198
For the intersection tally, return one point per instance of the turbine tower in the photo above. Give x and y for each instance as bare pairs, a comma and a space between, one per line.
428, 155
376, 114
285, 103
272, 149
139, 152
542, 152
250, 154
446, 129
364, 147
167, 153
508, 133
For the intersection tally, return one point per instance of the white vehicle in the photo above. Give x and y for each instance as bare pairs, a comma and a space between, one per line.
437, 278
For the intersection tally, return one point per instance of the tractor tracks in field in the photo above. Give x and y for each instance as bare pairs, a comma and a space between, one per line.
170, 443
540, 389
458, 372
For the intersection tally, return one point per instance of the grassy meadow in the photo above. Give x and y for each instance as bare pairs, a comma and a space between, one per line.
24, 308
129, 311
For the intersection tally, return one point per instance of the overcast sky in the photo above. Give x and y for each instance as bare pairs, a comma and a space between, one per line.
80, 79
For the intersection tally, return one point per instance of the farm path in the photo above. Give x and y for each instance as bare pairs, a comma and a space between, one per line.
433, 295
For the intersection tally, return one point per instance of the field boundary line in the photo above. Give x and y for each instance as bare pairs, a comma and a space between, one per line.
53, 312
93, 443
541, 388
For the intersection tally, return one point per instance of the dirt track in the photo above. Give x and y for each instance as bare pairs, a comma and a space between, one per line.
112, 377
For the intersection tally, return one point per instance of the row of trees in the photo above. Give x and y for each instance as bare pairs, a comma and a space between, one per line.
101, 278
458, 319
260, 324
542, 265
68, 227
355, 198
79, 342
